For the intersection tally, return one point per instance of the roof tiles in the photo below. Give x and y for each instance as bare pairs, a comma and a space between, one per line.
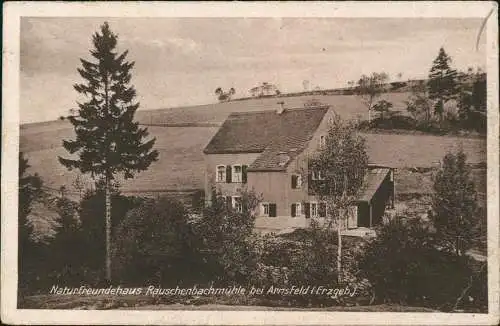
279, 137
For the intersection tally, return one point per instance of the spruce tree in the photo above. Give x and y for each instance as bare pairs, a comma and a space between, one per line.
108, 141
454, 204
442, 84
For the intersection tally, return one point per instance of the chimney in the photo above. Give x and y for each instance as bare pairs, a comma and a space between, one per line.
281, 107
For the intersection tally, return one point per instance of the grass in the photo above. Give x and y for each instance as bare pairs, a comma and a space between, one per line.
181, 162
143, 302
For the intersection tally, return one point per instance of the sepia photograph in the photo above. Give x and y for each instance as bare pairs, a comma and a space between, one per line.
251, 161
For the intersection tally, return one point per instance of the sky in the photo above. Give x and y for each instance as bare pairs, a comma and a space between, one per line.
181, 61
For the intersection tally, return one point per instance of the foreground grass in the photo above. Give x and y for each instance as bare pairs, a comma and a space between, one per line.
154, 303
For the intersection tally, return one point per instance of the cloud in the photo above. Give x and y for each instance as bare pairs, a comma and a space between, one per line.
181, 60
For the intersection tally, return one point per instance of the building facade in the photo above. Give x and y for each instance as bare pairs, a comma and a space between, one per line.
267, 152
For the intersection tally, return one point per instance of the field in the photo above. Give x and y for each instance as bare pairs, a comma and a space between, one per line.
181, 167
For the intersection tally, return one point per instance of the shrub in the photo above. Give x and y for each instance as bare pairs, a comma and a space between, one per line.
227, 241
404, 266
65, 250
92, 217
156, 244
305, 258
454, 204
29, 262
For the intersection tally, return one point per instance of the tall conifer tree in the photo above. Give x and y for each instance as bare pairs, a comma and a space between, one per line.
442, 84
108, 141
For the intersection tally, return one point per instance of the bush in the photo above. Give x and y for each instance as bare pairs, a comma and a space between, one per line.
391, 122
227, 242
92, 217
304, 258
404, 267
65, 250
155, 243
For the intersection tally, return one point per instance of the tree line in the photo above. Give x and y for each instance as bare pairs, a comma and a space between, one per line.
447, 101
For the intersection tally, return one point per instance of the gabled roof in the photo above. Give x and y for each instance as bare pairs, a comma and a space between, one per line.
373, 181
279, 137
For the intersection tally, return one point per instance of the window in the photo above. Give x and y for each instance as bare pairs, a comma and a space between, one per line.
314, 209
237, 174
296, 181
322, 210
264, 209
317, 175
296, 210
220, 173
237, 204
322, 141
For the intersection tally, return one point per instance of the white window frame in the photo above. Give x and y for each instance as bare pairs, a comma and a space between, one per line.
322, 141
326, 209
317, 175
233, 204
263, 206
299, 209
315, 204
223, 173
237, 177
299, 181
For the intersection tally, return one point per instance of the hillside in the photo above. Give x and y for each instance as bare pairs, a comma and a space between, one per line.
181, 166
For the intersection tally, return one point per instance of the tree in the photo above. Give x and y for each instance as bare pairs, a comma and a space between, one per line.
382, 106
93, 226
67, 265
156, 243
30, 190
370, 88
454, 204
108, 141
226, 235
442, 85
405, 266
342, 162
472, 99
224, 96
419, 105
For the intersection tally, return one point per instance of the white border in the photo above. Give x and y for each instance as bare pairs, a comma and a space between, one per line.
10, 137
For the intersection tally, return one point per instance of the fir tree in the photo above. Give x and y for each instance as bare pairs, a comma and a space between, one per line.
108, 141
442, 84
454, 204
30, 191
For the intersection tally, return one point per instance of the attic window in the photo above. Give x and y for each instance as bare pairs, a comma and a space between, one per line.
322, 141
283, 159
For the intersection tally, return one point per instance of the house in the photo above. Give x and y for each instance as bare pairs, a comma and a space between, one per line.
267, 151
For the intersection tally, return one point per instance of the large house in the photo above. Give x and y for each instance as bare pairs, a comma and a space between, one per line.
267, 151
